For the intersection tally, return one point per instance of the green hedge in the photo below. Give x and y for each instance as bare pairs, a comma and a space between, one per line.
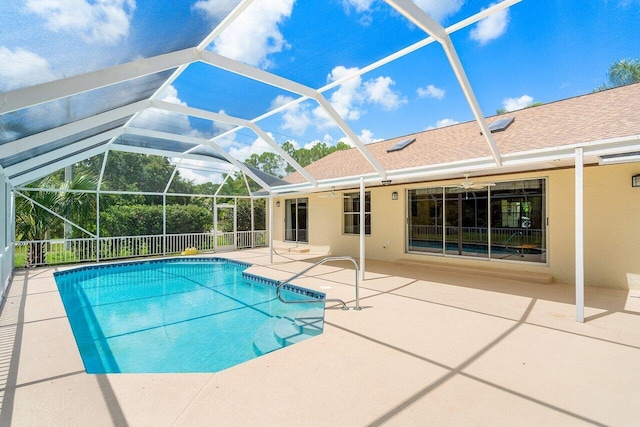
141, 220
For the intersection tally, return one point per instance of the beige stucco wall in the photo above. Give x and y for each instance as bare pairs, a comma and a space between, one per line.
612, 226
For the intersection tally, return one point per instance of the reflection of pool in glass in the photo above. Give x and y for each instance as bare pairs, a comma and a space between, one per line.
471, 248
178, 315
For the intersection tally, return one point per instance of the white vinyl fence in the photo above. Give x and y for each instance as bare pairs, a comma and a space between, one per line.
64, 251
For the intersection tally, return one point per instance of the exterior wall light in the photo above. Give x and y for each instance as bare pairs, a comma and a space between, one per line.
278, 204
386, 182
394, 195
635, 181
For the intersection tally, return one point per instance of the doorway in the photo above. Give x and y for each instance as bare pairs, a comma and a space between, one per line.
225, 225
296, 220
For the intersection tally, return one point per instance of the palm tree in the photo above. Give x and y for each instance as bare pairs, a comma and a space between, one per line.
621, 73
34, 213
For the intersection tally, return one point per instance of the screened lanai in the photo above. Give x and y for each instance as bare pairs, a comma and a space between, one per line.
206, 84
191, 90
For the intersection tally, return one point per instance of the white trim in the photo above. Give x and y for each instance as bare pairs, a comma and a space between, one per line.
241, 123
50, 91
62, 152
256, 74
46, 170
64, 131
198, 141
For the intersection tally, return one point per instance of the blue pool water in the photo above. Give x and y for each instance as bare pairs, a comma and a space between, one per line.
180, 315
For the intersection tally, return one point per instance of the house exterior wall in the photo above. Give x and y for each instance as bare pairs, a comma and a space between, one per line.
611, 218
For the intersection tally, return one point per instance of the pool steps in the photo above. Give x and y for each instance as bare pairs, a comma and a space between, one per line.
280, 332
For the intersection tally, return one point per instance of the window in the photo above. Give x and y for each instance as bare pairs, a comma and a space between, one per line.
503, 221
352, 213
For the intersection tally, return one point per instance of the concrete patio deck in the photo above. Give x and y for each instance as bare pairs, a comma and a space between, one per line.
428, 348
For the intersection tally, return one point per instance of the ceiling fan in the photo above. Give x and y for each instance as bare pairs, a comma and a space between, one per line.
333, 195
467, 184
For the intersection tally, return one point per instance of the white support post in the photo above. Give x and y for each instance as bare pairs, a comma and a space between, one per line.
579, 237
215, 219
362, 228
235, 223
270, 228
253, 226
98, 225
68, 230
164, 224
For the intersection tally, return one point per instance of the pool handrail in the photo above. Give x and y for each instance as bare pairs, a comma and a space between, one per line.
322, 261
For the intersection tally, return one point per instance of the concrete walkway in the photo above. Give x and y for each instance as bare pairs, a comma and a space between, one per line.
428, 348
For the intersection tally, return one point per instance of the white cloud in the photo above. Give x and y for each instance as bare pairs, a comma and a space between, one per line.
328, 139
281, 100
442, 123
255, 34
103, 21
512, 104
348, 95
440, 9
379, 92
215, 10
366, 136
200, 172
359, 5
491, 27
431, 92
349, 100
241, 152
22, 68
297, 118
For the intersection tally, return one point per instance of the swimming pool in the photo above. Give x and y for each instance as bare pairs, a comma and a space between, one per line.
180, 315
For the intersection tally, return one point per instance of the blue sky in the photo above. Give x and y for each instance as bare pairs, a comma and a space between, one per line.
536, 51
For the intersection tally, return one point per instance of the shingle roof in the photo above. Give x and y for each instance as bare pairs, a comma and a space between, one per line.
601, 115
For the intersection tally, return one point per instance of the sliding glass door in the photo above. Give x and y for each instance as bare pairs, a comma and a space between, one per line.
296, 220
505, 220
425, 220
466, 222
518, 220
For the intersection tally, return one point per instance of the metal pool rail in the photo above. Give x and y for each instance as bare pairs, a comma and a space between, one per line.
322, 261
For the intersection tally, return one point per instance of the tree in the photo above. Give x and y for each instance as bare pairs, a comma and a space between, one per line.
306, 156
134, 172
34, 217
268, 162
621, 73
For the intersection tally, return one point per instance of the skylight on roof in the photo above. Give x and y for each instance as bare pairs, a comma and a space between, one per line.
400, 145
501, 124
